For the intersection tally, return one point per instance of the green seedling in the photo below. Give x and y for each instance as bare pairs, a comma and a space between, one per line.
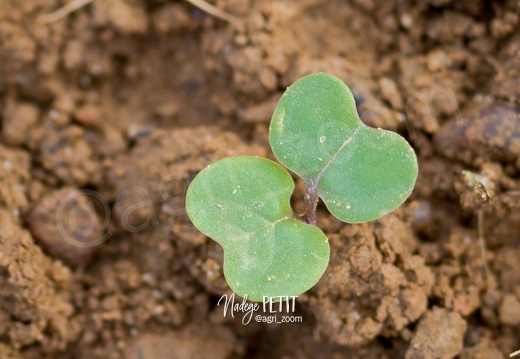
243, 202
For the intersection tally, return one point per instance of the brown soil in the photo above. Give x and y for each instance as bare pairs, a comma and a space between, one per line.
129, 99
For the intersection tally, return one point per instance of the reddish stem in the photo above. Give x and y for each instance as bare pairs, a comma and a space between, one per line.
310, 202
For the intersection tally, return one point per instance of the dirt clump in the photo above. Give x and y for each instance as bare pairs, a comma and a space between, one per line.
439, 334
18, 187
374, 284
35, 304
196, 341
65, 224
491, 135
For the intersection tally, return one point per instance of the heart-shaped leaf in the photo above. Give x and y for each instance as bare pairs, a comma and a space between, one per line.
243, 204
361, 173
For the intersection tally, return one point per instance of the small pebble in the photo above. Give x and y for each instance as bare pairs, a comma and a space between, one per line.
493, 134
65, 224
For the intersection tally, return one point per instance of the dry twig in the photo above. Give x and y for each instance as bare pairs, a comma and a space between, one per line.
75, 5
63, 11
215, 11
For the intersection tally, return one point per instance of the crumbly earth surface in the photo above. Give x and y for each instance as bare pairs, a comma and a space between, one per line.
108, 113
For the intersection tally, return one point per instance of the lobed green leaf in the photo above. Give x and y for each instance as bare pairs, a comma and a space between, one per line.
361, 173
243, 203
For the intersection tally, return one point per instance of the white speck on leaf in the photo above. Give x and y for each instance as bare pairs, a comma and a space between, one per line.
280, 122
322, 139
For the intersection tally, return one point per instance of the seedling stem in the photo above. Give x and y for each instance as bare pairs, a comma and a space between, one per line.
310, 203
